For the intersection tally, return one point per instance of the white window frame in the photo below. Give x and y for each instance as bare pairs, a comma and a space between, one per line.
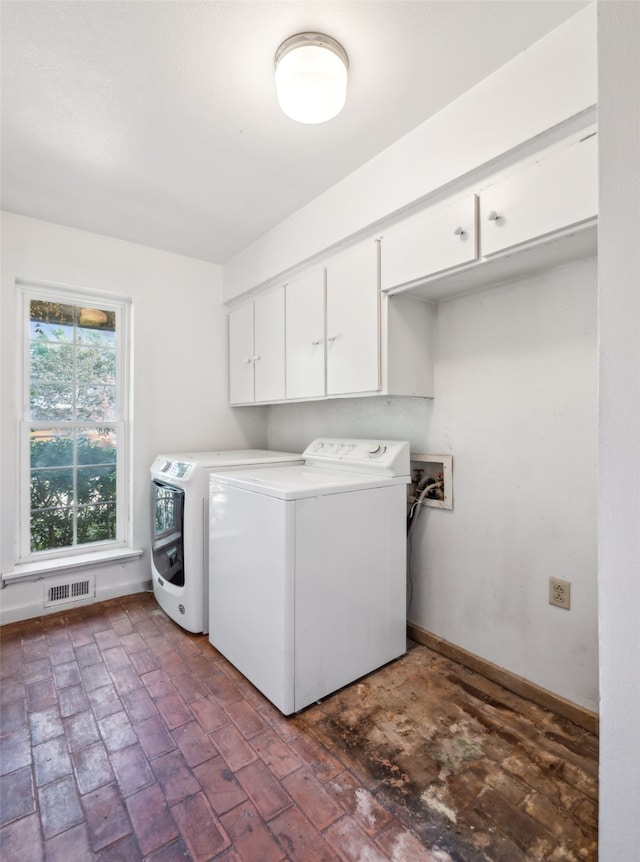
122, 307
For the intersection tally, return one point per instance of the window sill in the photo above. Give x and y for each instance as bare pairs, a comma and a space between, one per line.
39, 568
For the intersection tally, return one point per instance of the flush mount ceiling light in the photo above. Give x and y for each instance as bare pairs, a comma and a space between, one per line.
311, 77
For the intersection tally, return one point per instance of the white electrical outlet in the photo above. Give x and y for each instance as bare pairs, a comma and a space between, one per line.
560, 593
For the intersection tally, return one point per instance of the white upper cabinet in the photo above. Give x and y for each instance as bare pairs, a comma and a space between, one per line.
555, 193
256, 350
353, 326
430, 242
305, 335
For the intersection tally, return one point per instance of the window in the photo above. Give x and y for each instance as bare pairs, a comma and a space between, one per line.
74, 427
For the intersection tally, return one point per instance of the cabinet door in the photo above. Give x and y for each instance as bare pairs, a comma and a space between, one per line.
353, 363
429, 242
241, 354
305, 335
269, 346
557, 192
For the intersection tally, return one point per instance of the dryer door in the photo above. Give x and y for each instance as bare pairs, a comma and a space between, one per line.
167, 532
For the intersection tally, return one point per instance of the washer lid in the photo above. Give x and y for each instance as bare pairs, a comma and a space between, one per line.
299, 482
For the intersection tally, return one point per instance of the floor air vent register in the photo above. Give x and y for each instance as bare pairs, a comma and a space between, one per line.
64, 592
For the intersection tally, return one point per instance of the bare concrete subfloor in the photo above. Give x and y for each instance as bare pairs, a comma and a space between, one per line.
479, 773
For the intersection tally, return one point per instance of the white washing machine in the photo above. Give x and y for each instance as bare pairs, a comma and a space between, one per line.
179, 527
308, 568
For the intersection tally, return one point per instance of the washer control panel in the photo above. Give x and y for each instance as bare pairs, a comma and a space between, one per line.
386, 457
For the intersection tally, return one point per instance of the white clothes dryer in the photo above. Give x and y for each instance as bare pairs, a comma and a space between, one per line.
308, 568
179, 527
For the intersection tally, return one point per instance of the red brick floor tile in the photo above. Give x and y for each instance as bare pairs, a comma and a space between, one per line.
41, 695
287, 727
154, 737
122, 626
21, 841
189, 687
176, 778
92, 767
250, 836
13, 715
105, 701
222, 688
248, 721
15, 750
400, 845
157, 683
68, 846
275, 753
220, 785
107, 640
263, 789
201, 665
34, 649
175, 852
132, 769
116, 658
200, 828
323, 765
125, 850
126, 679
44, 725
132, 643
59, 807
194, 743
144, 661
81, 730
209, 713
139, 705
299, 840
80, 634
95, 676
351, 842
172, 663
14, 688
36, 671
66, 674
51, 761
117, 732
17, 795
173, 710
312, 798
232, 747
72, 700
358, 801
87, 655
107, 818
152, 820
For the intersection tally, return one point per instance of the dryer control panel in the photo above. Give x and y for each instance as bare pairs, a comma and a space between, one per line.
382, 457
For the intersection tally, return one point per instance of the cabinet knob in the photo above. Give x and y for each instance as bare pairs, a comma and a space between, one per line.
493, 216
331, 338
459, 231
249, 359
316, 342
255, 358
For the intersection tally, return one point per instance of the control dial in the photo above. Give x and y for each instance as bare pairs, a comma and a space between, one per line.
376, 450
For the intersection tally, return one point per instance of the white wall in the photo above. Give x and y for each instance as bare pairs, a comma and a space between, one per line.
552, 81
515, 404
180, 370
619, 513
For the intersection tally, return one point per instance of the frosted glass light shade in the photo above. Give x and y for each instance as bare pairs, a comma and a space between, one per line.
311, 77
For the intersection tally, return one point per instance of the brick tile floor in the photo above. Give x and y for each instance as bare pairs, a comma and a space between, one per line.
124, 738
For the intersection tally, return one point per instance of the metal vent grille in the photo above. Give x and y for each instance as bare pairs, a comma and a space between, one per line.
69, 591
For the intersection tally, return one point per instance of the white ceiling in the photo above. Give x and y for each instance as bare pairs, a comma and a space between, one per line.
157, 122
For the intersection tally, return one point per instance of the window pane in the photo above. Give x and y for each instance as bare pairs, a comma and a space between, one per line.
51, 401
52, 320
97, 446
96, 403
96, 484
96, 326
52, 528
51, 488
51, 448
96, 523
51, 361
96, 365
